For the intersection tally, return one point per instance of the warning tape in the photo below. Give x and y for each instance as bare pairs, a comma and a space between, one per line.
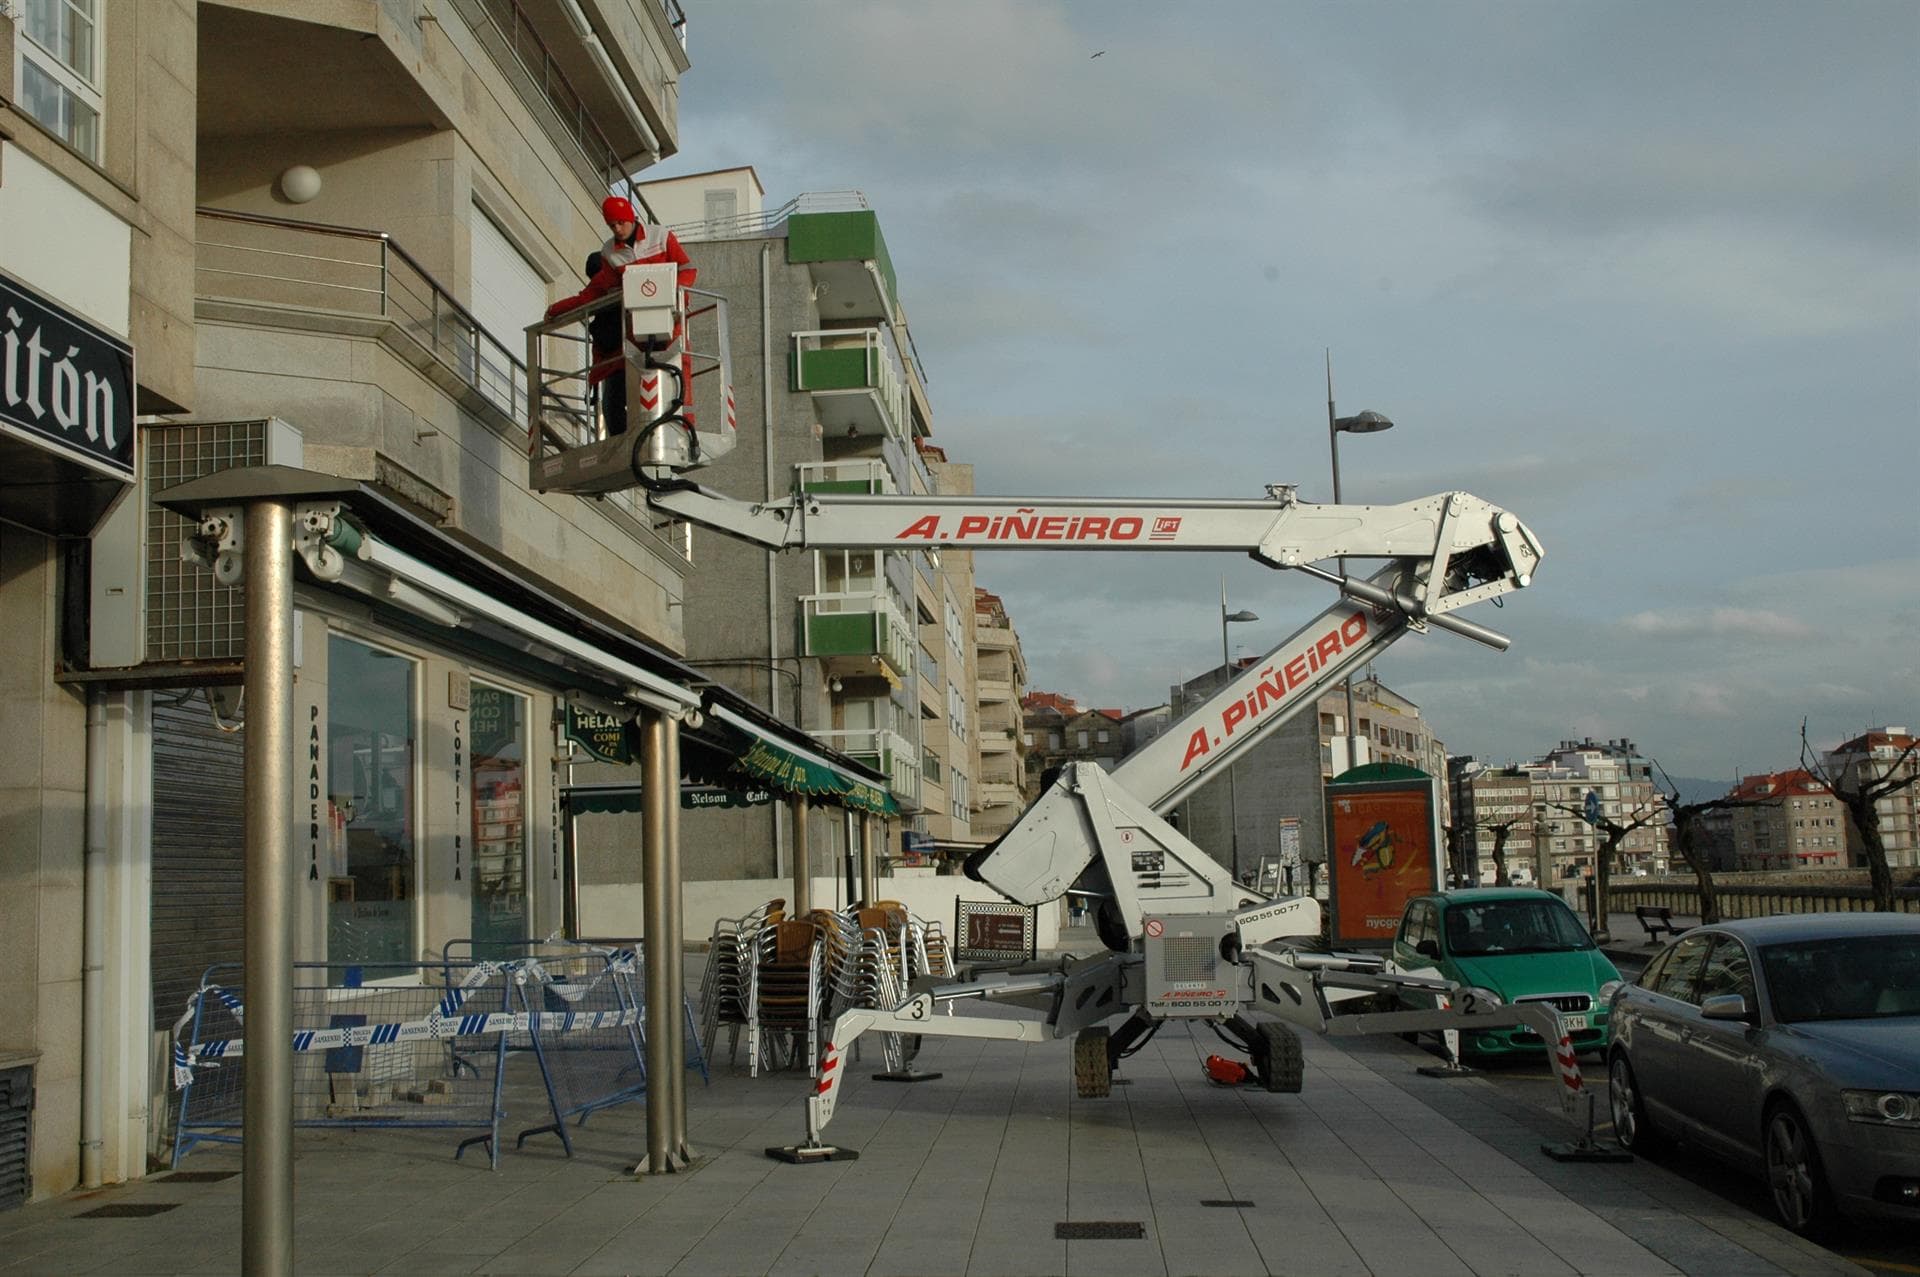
1568, 1063
443, 1022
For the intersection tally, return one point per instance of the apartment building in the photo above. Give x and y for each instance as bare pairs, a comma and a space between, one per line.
1621, 784
872, 649
313, 237
1492, 818
1003, 789
1877, 755
1795, 823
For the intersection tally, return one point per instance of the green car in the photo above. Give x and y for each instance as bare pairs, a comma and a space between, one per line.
1519, 945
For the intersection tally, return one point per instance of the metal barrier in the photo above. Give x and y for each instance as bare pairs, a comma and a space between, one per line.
589, 1036
1757, 900
396, 1046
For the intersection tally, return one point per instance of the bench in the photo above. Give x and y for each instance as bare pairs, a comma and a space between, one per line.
1656, 918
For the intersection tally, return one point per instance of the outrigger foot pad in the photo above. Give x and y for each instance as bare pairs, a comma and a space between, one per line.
1446, 1070
804, 1154
1585, 1150
908, 1074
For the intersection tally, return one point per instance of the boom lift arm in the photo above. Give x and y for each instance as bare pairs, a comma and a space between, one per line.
1187, 941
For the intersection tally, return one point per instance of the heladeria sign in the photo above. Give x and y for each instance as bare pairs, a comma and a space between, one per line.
64, 383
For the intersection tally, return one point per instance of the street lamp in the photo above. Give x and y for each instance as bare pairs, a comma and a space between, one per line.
1363, 423
1226, 659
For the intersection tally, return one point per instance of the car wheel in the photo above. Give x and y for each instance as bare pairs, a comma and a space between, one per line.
1794, 1176
1628, 1108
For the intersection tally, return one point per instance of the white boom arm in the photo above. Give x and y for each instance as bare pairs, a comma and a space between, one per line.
1446, 551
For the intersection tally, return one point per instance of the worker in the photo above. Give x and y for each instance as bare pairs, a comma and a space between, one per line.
632, 243
606, 374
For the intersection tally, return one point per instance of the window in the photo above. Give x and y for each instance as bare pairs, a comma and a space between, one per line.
1083, 740
371, 782
1682, 969
1103, 736
58, 71
497, 791
1729, 970
507, 293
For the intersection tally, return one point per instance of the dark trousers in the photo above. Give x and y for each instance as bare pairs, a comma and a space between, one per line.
613, 404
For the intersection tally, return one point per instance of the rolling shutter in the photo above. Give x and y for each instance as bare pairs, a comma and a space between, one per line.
16, 1126
198, 848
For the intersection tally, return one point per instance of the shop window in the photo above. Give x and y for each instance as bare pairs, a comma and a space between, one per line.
372, 728
57, 71
498, 794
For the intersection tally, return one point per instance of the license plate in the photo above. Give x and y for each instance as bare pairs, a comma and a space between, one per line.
1573, 1023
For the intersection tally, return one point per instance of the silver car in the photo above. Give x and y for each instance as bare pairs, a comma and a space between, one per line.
1788, 1045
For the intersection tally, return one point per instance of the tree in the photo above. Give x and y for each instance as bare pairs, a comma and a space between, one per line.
1502, 830
1686, 837
1616, 832
1860, 793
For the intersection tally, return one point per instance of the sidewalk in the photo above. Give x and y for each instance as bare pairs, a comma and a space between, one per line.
1373, 1169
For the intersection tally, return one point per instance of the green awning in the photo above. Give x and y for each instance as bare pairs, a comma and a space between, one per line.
791, 769
581, 800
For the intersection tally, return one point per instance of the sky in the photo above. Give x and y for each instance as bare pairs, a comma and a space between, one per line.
1645, 274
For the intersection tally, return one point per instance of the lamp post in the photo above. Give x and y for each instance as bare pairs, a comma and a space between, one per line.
1226, 660
1364, 423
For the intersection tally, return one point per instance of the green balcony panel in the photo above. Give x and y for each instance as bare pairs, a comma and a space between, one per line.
841, 485
846, 634
823, 239
843, 369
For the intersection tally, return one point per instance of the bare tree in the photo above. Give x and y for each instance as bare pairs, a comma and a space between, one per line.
1615, 832
1501, 831
1687, 841
1860, 793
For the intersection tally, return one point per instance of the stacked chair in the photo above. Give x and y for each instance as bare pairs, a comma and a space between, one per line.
726, 986
784, 995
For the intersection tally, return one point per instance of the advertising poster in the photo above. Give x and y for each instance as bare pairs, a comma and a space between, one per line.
1382, 852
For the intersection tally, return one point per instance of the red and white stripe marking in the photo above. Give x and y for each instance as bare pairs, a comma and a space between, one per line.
1568, 1063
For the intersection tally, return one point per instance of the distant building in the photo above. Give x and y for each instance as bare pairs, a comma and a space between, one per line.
1872, 756
1003, 789
1565, 845
1796, 823
1058, 731
1141, 727
1486, 799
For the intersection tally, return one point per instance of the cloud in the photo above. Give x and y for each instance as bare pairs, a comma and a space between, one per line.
1719, 622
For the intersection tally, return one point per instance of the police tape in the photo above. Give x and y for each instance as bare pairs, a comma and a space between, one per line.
432, 1028
442, 1023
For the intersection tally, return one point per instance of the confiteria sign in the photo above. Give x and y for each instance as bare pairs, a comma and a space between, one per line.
64, 382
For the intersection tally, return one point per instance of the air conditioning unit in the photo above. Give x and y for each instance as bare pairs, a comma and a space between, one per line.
146, 605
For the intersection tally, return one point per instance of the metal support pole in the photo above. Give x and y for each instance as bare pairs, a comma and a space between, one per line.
656, 795
802, 903
675, 953
266, 1158
870, 826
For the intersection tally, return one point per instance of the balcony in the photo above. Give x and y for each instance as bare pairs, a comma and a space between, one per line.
871, 477
854, 377
848, 259
887, 752
272, 272
855, 631
994, 793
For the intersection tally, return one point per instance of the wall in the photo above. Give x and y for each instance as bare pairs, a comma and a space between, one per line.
42, 831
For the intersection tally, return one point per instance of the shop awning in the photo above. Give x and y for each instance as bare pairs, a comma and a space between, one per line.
414, 577
793, 768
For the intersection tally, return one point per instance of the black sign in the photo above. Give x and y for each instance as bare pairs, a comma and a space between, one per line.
603, 735
995, 931
65, 382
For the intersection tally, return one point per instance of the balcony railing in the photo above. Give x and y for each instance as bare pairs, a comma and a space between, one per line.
756, 225
277, 263
887, 752
867, 623
871, 477
502, 24
855, 379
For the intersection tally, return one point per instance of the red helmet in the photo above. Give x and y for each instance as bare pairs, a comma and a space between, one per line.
616, 209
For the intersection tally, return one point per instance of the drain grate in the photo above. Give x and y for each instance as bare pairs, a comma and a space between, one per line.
1094, 1230
1231, 1203
200, 1177
1122, 1081
128, 1210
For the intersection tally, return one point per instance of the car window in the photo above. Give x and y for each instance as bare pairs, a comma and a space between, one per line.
1422, 923
1728, 970
1650, 978
1540, 924
1682, 970
1843, 977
